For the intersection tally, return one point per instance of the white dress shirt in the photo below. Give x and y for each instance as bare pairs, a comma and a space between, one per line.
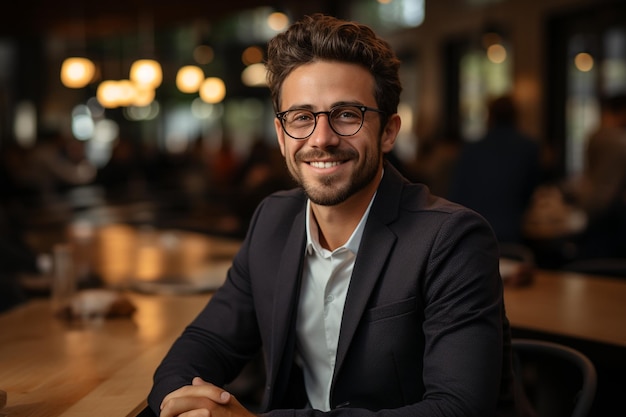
325, 281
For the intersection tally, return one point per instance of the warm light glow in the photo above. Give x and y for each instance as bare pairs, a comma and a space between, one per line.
126, 93
147, 72
203, 54
583, 62
252, 55
254, 75
77, 72
143, 95
277, 21
496, 53
108, 94
212, 90
189, 78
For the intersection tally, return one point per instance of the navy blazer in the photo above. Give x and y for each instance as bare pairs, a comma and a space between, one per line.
424, 330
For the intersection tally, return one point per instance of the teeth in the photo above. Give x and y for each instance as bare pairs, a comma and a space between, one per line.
324, 164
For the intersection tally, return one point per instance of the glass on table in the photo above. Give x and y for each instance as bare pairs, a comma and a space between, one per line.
64, 286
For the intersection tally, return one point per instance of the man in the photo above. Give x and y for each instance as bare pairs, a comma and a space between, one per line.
365, 293
601, 189
497, 175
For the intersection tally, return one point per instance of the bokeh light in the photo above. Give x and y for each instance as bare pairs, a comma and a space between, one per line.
212, 90
583, 62
147, 72
189, 78
77, 72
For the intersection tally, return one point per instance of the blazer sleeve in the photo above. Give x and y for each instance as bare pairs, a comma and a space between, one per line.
218, 343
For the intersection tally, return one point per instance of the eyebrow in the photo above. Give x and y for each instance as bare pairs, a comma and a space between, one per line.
336, 104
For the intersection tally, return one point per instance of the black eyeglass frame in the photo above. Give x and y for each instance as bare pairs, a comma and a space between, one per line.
363, 109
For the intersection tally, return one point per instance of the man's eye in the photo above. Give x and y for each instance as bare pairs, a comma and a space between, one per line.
301, 117
347, 114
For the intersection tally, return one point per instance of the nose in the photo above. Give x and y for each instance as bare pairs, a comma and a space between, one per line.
323, 135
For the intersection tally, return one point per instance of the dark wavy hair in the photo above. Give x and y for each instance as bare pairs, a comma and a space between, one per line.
320, 37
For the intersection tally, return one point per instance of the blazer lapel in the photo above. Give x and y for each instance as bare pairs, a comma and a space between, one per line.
287, 293
376, 245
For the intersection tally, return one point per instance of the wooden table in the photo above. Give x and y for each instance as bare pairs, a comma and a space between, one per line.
589, 308
49, 368
118, 253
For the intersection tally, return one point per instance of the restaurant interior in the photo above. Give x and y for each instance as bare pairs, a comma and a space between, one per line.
137, 137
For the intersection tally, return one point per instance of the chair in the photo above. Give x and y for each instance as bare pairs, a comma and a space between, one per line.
558, 380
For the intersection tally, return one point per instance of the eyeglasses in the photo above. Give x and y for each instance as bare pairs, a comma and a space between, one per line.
343, 120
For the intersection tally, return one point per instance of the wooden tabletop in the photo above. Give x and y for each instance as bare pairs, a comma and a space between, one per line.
591, 308
49, 368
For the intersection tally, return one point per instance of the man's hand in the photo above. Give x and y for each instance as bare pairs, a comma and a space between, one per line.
202, 399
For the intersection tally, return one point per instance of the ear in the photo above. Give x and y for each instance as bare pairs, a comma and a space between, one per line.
280, 135
390, 133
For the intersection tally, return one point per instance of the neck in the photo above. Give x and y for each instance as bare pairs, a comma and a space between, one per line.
337, 223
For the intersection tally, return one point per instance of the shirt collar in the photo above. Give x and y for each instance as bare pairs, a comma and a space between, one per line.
312, 232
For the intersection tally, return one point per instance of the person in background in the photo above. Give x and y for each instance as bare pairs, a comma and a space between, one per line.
365, 294
497, 175
436, 160
56, 164
601, 189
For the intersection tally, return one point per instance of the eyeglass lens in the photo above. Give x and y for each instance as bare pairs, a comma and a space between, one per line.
344, 120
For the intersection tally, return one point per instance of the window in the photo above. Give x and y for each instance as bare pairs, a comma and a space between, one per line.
586, 60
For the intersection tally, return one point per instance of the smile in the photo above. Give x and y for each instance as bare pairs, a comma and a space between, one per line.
321, 164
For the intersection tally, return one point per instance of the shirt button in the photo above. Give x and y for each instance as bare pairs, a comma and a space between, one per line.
330, 298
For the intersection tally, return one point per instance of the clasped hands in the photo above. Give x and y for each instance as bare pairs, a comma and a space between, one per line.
202, 399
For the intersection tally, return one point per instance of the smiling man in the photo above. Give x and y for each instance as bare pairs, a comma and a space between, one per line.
366, 294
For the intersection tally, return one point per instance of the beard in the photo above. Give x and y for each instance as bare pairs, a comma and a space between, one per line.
331, 189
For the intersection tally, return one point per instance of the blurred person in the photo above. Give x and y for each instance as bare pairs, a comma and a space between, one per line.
366, 294
497, 175
224, 166
57, 163
121, 176
601, 189
436, 161
259, 175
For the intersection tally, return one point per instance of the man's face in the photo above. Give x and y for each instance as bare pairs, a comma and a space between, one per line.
332, 168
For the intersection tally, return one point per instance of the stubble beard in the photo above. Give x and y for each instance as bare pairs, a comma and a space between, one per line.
328, 190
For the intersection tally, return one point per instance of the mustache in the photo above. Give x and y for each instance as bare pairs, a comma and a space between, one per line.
313, 154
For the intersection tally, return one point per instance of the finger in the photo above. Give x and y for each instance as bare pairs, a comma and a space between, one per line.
187, 407
198, 381
199, 388
218, 394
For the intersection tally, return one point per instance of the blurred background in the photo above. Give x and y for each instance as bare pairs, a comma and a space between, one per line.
141, 134
88, 134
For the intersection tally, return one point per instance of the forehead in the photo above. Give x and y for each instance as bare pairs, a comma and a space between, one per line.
322, 84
